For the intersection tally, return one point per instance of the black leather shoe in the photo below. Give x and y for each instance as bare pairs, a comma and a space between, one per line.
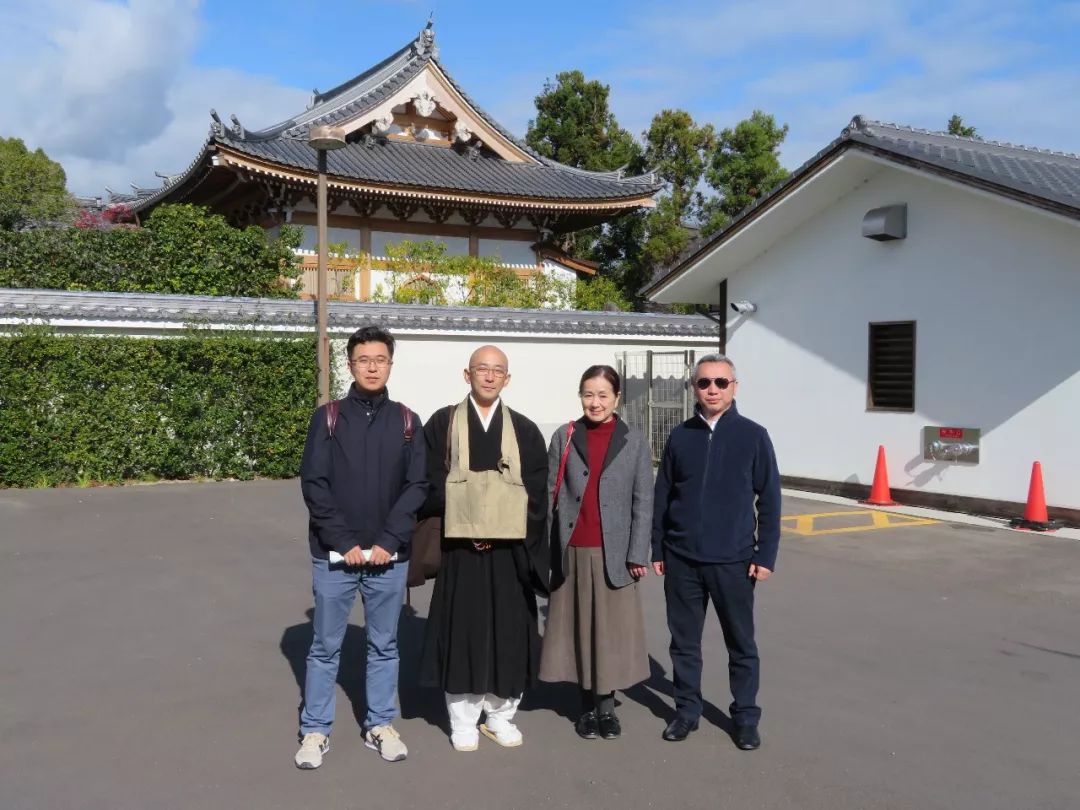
610, 728
747, 738
679, 728
587, 726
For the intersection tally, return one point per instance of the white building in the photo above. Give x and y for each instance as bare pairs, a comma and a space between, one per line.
909, 284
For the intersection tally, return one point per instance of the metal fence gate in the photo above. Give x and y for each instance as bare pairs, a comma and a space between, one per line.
656, 393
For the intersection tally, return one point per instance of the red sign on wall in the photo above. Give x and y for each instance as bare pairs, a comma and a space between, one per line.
951, 433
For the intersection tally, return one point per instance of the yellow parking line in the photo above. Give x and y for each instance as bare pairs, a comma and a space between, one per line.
804, 525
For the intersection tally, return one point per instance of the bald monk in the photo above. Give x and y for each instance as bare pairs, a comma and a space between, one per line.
487, 470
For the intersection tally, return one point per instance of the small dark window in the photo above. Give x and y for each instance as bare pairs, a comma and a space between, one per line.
891, 378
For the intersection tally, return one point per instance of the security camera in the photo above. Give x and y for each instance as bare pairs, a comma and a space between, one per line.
743, 307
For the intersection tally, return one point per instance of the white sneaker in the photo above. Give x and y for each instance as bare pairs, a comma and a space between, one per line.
505, 734
387, 742
310, 755
464, 741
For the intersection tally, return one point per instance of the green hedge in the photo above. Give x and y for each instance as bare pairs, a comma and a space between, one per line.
182, 249
79, 409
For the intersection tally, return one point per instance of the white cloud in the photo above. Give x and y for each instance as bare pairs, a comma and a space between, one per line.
257, 101
107, 89
815, 66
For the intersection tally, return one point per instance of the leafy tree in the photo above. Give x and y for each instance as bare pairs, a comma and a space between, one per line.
633, 247
575, 126
956, 127
31, 187
745, 167
599, 293
181, 249
678, 150
422, 273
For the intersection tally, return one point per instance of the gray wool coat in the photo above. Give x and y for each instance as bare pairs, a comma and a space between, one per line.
626, 500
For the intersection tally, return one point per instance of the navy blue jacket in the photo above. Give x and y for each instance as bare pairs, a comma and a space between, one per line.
715, 489
363, 485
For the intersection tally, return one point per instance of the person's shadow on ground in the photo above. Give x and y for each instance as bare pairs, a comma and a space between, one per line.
416, 701
648, 694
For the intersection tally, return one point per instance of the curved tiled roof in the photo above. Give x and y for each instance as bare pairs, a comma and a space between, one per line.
412, 164
421, 166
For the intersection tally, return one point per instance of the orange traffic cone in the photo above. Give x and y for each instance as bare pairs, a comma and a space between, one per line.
879, 492
1035, 516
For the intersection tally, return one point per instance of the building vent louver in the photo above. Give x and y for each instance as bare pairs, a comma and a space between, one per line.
886, 224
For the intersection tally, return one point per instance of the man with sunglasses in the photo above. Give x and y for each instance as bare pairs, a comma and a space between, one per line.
716, 533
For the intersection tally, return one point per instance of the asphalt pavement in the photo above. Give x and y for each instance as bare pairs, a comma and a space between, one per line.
152, 641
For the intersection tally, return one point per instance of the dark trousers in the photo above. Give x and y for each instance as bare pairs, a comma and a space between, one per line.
688, 587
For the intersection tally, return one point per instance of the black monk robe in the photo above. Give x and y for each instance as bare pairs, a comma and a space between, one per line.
482, 635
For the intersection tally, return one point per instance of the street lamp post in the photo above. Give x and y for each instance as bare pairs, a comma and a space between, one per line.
322, 139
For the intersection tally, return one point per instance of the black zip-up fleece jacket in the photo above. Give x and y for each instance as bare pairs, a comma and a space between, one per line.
715, 490
363, 486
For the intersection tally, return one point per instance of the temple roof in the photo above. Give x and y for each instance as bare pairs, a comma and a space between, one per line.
422, 166
482, 158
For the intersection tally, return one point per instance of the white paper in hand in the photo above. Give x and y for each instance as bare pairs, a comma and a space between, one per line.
337, 559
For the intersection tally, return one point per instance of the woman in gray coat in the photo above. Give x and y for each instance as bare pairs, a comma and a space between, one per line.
600, 484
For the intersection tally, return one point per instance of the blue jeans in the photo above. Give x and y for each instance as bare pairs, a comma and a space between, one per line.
382, 591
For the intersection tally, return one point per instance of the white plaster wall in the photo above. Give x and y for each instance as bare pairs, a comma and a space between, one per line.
455, 245
510, 251
350, 236
993, 288
544, 371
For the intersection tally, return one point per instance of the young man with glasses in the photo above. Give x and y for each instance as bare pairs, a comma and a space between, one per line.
716, 532
363, 476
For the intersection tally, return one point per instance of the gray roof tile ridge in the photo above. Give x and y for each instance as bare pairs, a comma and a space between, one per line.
865, 125
332, 105
150, 306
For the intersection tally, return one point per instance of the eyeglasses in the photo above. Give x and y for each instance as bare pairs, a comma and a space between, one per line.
722, 383
382, 361
495, 371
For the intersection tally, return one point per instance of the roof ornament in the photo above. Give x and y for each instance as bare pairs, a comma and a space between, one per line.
381, 126
216, 127
237, 130
473, 150
425, 43
462, 134
424, 103
314, 98
858, 125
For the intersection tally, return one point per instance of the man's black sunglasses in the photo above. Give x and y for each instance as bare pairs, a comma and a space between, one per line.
720, 382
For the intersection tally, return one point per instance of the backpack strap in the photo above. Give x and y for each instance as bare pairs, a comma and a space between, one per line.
562, 465
333, 407
406, 416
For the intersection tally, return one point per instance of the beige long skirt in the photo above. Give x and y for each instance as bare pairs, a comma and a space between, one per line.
595, 634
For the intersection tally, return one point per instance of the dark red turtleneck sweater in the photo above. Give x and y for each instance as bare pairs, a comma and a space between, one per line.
587, 530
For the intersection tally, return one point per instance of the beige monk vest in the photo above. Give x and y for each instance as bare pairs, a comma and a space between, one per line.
487, 505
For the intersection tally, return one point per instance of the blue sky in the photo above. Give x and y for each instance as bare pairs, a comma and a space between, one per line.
116, 90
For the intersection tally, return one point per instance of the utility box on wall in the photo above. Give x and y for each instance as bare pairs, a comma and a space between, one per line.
960, 445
